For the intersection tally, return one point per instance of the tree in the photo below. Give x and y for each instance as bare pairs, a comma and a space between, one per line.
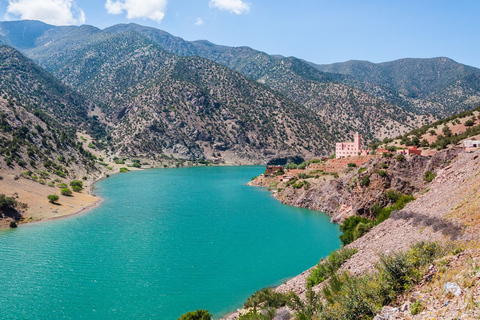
196, 315
66, 192
52, 198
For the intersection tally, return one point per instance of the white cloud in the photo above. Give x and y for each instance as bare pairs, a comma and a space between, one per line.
151, 9
234, 6
199, 22
56, 12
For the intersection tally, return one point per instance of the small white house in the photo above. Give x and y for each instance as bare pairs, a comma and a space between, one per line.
471, 145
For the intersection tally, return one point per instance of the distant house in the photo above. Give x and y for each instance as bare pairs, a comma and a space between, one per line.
409, 151
471, 145
350, 149
274, 169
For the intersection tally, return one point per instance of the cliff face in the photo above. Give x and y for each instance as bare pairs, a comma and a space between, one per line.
357, 190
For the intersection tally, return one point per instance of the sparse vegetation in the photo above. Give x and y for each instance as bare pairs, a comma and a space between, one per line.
66, 192
53, 198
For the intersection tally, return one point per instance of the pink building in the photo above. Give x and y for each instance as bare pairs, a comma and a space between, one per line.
409, 151
350, 149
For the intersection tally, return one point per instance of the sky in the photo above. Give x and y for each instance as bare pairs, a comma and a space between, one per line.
315, 30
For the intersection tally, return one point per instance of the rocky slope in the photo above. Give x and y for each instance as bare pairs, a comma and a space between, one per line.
447, 210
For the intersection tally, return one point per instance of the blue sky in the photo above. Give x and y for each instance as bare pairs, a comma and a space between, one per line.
315, 30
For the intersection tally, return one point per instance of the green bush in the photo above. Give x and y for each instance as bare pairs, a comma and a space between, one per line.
352, 165
329, 266
381, 173
123, 170
13, 224
196, 315
53, 198
348, 228
365, 181
66, 192
62, 185
400, 157
77, 189
362, 170
77, 183
267, 297
7, 203
429, 176
416, 308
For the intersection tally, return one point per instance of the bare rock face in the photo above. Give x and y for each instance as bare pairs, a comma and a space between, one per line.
357, 191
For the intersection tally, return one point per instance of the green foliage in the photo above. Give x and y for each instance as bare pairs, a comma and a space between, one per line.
349, 297
268, 298
13, 224
291, 165
400, 157
399, 201
196, 315
66, 192
7, 203
352, 165
77, 183
416, 307
349, 228
362, 170
62, 185
53, 198
123, 170
60, 173
77, 188
328, 267
365, 181
253, 316
429, 176
301, 184
91, 145
381, 173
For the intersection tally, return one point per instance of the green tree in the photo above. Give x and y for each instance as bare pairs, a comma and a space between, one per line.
52, 198
66, 191
196, 315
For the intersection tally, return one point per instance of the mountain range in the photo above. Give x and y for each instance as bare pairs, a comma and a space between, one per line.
144, 92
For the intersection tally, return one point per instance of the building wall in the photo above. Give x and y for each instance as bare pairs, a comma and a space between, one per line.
345, 149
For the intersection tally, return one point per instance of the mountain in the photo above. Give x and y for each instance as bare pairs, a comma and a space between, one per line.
156, 102
341, 107
447, 86
38, 120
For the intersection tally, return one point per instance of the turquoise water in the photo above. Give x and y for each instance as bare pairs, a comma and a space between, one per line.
163, 242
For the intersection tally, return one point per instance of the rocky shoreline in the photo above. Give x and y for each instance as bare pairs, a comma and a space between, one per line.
442, 212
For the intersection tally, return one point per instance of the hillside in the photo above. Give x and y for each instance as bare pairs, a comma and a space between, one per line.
442, 85
340, 106
410, 233
156, 102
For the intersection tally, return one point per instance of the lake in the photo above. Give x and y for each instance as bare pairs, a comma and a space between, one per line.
163, 242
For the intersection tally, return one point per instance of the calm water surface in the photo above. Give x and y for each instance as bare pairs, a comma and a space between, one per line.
163, 242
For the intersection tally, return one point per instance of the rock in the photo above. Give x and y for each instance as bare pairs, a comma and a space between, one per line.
452, 287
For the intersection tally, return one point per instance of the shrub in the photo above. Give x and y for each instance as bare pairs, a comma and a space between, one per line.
52, 198
365, 181
66, 192
400, 157
381, 173
429, 176
384, 166
7, 203
62, 185
267, 297
196, 315
13, 224
51, 184
416, 308
348, 228
76, 188
362, 170
77, 183
123, 170
352, 165
60, 173
329, 266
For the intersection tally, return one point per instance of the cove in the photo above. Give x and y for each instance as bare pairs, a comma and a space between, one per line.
162, 243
